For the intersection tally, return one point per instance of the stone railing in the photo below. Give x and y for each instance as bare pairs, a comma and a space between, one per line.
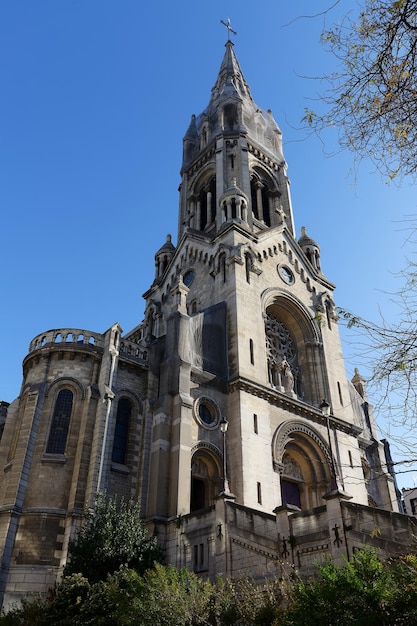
66, 336
132, 351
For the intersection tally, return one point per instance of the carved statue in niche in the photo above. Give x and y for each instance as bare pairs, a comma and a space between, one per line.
288, 377
282, 357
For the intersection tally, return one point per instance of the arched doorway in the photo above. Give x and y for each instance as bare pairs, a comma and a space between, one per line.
302, 459
205, 479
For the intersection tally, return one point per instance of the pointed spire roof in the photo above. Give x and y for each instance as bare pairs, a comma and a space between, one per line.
192, 132
230, 80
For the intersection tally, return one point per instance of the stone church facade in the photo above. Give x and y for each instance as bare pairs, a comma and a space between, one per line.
240, 330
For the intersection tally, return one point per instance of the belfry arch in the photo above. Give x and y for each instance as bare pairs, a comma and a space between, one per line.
302, 459
263, 196
206, 477
203, 201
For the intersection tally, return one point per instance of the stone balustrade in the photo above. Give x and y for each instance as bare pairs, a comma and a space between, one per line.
130, 350
66, 336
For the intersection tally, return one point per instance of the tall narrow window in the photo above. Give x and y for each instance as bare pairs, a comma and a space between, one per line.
252, 358
339, 389
328, 316
60, 423
248, 267
222, 266
255, 423
259, 490
124, 411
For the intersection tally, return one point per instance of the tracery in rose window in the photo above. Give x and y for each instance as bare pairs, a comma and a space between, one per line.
283, 371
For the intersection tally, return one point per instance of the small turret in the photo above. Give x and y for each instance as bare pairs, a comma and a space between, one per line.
190, 142
163, 257
310, 248
234, 204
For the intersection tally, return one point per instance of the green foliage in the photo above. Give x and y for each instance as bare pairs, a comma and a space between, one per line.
172, 597
247, 603
163, 596
112, 536
370, 98
363, 592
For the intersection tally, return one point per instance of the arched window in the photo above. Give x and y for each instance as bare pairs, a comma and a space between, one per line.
230, 117
124, 412
60, 423
283, 370
207, 197
260, 190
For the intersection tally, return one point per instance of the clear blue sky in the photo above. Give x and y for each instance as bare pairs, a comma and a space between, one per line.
96, 97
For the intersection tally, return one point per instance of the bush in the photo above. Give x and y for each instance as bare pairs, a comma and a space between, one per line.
364, 592
113, 536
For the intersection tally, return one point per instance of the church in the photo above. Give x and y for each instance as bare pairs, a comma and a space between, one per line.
226, 413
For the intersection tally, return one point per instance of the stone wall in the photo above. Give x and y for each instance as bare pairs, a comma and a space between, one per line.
233, 540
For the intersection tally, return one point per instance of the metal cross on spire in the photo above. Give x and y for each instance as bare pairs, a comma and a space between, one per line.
229, 28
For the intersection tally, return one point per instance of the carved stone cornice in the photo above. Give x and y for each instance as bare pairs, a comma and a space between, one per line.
293, 405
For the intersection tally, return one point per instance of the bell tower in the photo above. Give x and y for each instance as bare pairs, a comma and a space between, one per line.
233, 166
243, 321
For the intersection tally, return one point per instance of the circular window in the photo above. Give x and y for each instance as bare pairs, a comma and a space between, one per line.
206, 412
286, 274
188, 278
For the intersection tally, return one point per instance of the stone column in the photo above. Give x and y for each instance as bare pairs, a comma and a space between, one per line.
198, 220
209, 208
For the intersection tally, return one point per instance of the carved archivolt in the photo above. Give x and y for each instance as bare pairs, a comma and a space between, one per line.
208, 450
273, 297
209, 447
284, 434
67, 382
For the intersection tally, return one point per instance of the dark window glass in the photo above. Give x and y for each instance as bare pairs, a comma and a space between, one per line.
60, 423
188, 278
205, 413
124, 410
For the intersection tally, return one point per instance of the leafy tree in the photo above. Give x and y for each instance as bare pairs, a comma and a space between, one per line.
113, 535
365, 591
371, 98
388, 351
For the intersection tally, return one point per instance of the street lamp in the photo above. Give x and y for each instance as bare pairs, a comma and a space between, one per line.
325, 410
224, 424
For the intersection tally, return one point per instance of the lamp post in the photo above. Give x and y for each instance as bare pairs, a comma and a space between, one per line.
224, 424
325, 410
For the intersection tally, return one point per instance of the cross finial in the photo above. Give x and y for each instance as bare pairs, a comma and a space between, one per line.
229, 28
